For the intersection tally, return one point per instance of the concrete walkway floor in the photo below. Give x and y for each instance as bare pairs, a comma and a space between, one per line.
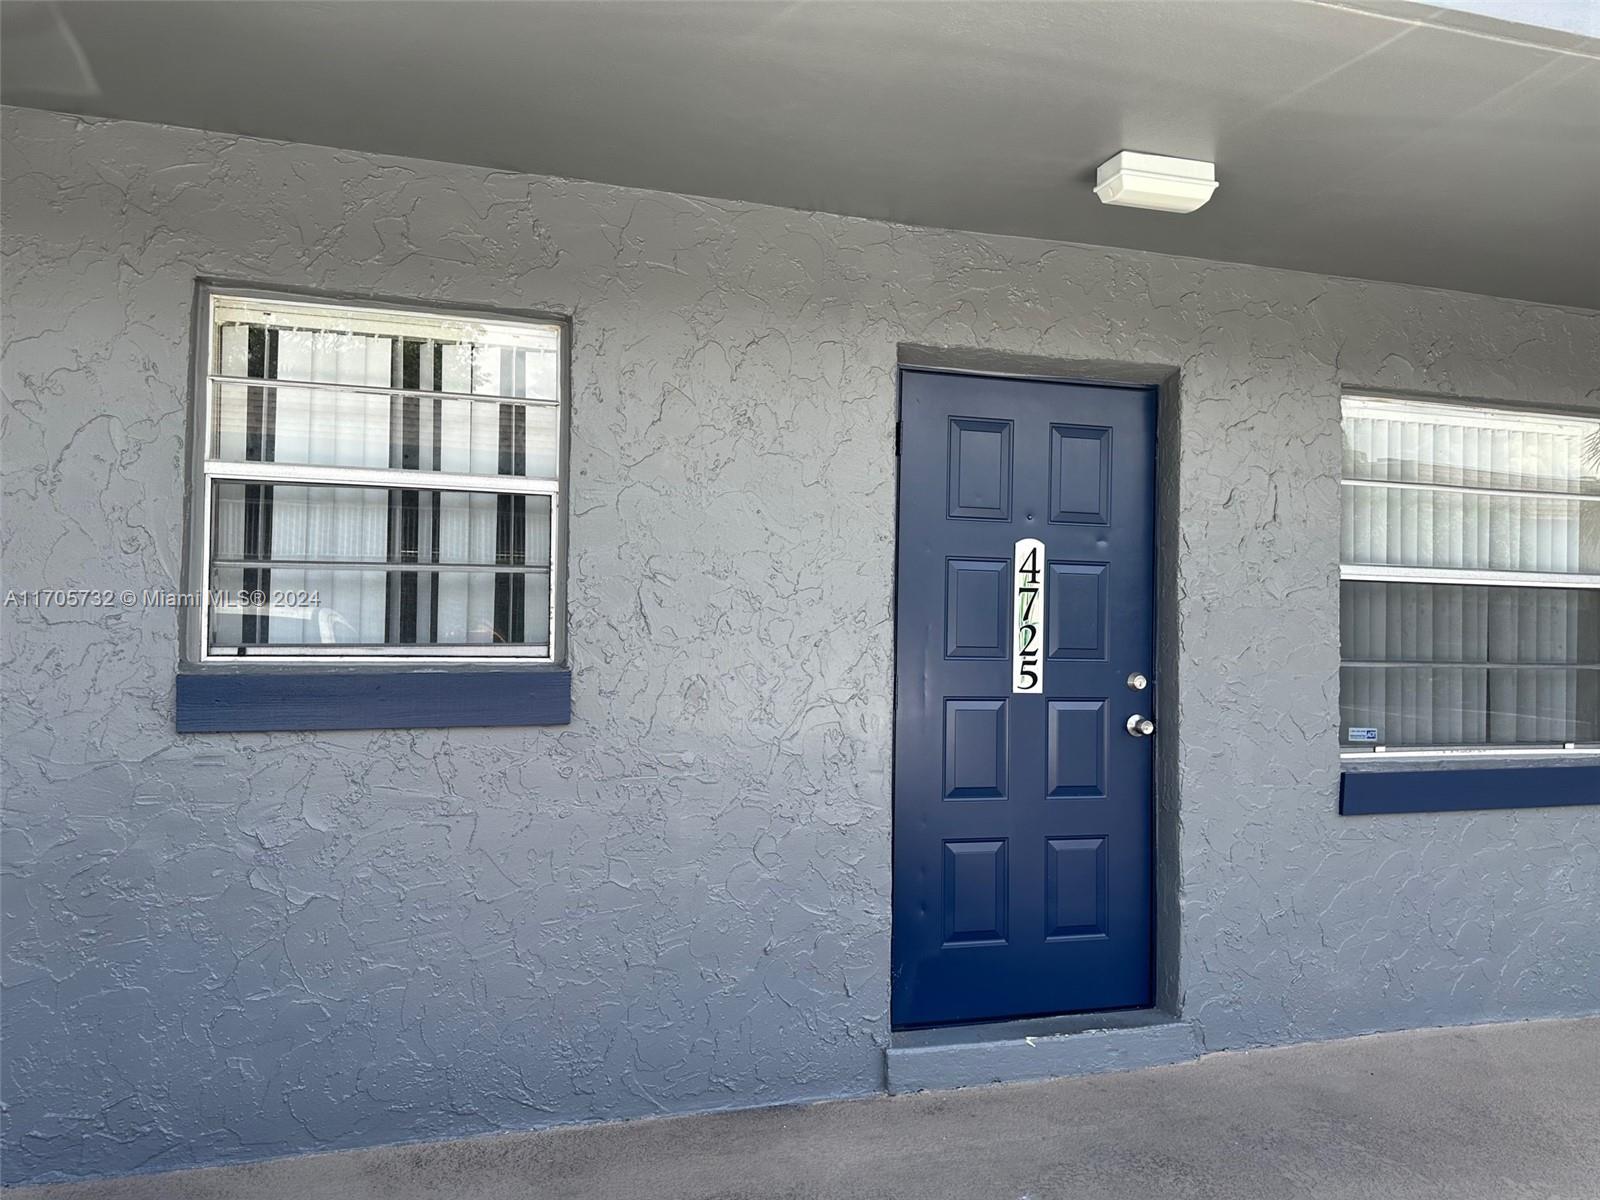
1493, 1112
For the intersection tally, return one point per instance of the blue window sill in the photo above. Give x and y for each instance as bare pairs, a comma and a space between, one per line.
259, 701
1364, 793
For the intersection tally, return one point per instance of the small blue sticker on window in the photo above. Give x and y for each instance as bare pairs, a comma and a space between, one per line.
1361, 735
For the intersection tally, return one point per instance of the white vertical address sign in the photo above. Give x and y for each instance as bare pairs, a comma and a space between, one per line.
1027, 643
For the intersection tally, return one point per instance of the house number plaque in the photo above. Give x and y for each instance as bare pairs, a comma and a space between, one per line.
1027, 644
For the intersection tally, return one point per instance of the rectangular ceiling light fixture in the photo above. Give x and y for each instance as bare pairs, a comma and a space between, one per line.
1155, 181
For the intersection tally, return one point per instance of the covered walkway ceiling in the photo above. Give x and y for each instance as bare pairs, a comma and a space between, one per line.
1378, 139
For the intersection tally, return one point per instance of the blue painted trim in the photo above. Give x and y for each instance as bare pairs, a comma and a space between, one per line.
261, 701
1459, 790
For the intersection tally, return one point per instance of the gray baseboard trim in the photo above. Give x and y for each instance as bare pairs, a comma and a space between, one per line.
925, 1060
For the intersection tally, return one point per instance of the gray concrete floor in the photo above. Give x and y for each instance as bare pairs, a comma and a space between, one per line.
1494, 1112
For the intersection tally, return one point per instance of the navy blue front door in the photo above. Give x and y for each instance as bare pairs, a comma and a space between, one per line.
1022, 819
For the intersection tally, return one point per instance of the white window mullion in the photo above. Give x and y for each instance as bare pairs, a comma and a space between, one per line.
1467, 577
380, 477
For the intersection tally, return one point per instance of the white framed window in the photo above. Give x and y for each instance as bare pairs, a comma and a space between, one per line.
375, 484
1470, 580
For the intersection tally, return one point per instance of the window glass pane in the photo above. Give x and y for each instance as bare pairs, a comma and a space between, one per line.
1465, 530
272, 608
1471, 532
1489, 706
1442, 623
1456, 446
333, 428
324, 344
259, 522
378, 566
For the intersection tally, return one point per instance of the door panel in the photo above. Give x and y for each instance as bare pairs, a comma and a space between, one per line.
1022, 822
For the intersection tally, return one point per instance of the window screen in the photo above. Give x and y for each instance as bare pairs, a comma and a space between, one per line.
1471, 577
379, 482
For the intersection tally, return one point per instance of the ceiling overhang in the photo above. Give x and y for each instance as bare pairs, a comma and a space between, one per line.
1420, 143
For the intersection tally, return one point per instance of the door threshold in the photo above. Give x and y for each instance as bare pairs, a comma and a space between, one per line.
1037, 1048
1025, 1027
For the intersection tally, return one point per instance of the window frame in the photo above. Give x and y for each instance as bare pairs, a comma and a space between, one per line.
1514, 414
200, 473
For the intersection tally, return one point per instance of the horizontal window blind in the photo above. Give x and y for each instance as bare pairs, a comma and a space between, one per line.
1471, 562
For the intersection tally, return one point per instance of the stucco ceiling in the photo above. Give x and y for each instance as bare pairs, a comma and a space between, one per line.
1376, 139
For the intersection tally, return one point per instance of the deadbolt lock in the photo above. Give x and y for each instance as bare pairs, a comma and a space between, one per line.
1138, 682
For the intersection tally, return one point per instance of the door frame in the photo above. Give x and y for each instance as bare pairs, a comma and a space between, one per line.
1166, 972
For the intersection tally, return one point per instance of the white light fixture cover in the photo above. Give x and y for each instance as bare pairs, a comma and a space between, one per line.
1155, 181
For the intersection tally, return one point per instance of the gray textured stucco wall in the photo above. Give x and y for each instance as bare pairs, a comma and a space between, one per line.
223, 948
